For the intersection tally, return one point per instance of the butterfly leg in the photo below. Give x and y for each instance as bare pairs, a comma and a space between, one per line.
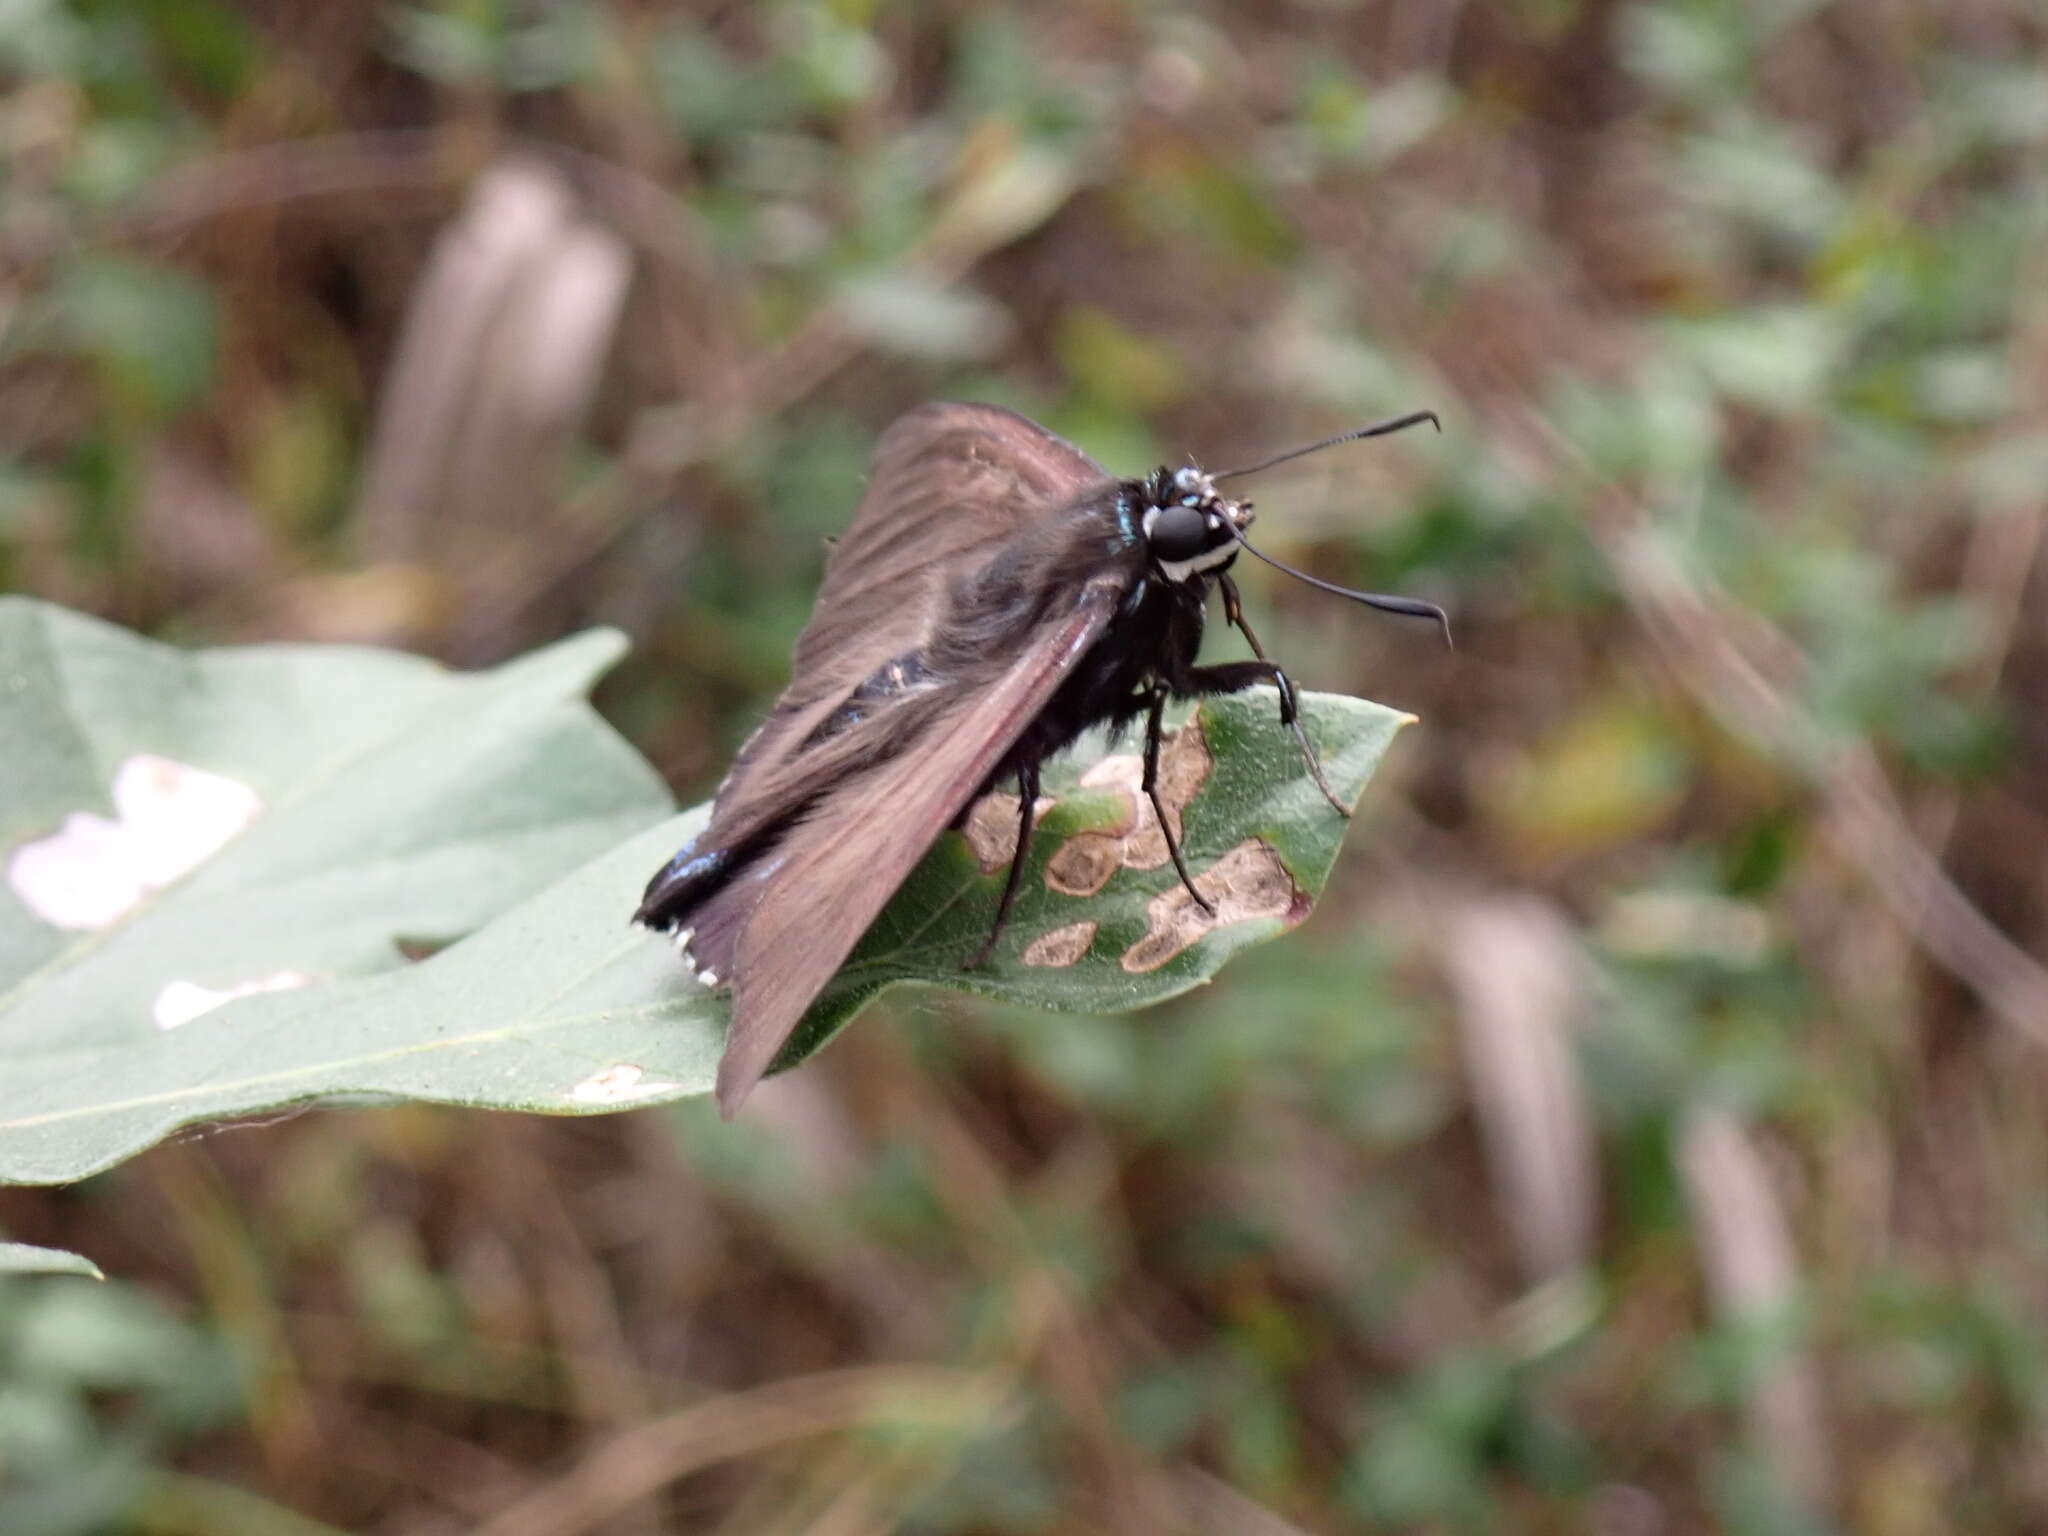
1027, 803
1290, 708
1151, 787
1236, 676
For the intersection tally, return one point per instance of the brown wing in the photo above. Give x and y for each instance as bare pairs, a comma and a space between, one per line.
949, 484
801, 912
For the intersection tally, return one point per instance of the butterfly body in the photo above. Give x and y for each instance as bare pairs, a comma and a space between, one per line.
996, 595
1150, 642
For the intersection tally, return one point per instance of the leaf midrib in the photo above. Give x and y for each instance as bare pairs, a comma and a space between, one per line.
529, 1020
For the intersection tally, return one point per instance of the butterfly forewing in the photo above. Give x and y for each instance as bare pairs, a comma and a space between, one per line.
832, 875
950, 483
881, 739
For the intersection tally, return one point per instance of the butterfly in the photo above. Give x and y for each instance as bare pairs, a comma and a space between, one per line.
997, 594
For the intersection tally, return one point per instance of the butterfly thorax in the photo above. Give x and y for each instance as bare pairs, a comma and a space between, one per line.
1152, 640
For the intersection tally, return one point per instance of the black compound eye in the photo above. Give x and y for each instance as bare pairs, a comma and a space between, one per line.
1179, 533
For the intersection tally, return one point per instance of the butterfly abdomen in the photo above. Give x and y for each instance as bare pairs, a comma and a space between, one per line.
695, 892
701, 900
682, 884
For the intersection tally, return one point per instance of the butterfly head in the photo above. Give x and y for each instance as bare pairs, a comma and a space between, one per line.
1190, 529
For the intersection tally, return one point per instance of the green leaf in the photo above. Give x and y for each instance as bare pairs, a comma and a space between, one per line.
25, 1259
182, 828
560, 1006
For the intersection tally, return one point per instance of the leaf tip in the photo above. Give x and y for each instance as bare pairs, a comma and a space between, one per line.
25, 1258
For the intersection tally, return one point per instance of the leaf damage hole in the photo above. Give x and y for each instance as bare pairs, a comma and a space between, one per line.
1061, 947
623, 1083
181, 1002
1247, 882
1083, 864
991, 829
169, 819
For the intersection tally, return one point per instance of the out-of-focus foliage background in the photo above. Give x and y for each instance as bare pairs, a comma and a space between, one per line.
1647, 1135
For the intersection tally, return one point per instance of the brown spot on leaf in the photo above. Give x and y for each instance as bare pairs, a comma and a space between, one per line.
1123, 770
1084, 863
1063, 946
991, 829
1249, 881
1184, 764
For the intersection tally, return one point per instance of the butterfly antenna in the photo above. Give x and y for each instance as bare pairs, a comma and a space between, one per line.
1412, 607
1377, 429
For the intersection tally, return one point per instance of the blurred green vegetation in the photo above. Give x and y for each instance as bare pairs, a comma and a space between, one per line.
1646, 1136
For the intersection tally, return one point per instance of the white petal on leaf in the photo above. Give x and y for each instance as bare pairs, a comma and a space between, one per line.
170, 819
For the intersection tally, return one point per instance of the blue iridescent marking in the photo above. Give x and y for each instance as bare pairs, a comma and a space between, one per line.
1125, 520
683, 867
